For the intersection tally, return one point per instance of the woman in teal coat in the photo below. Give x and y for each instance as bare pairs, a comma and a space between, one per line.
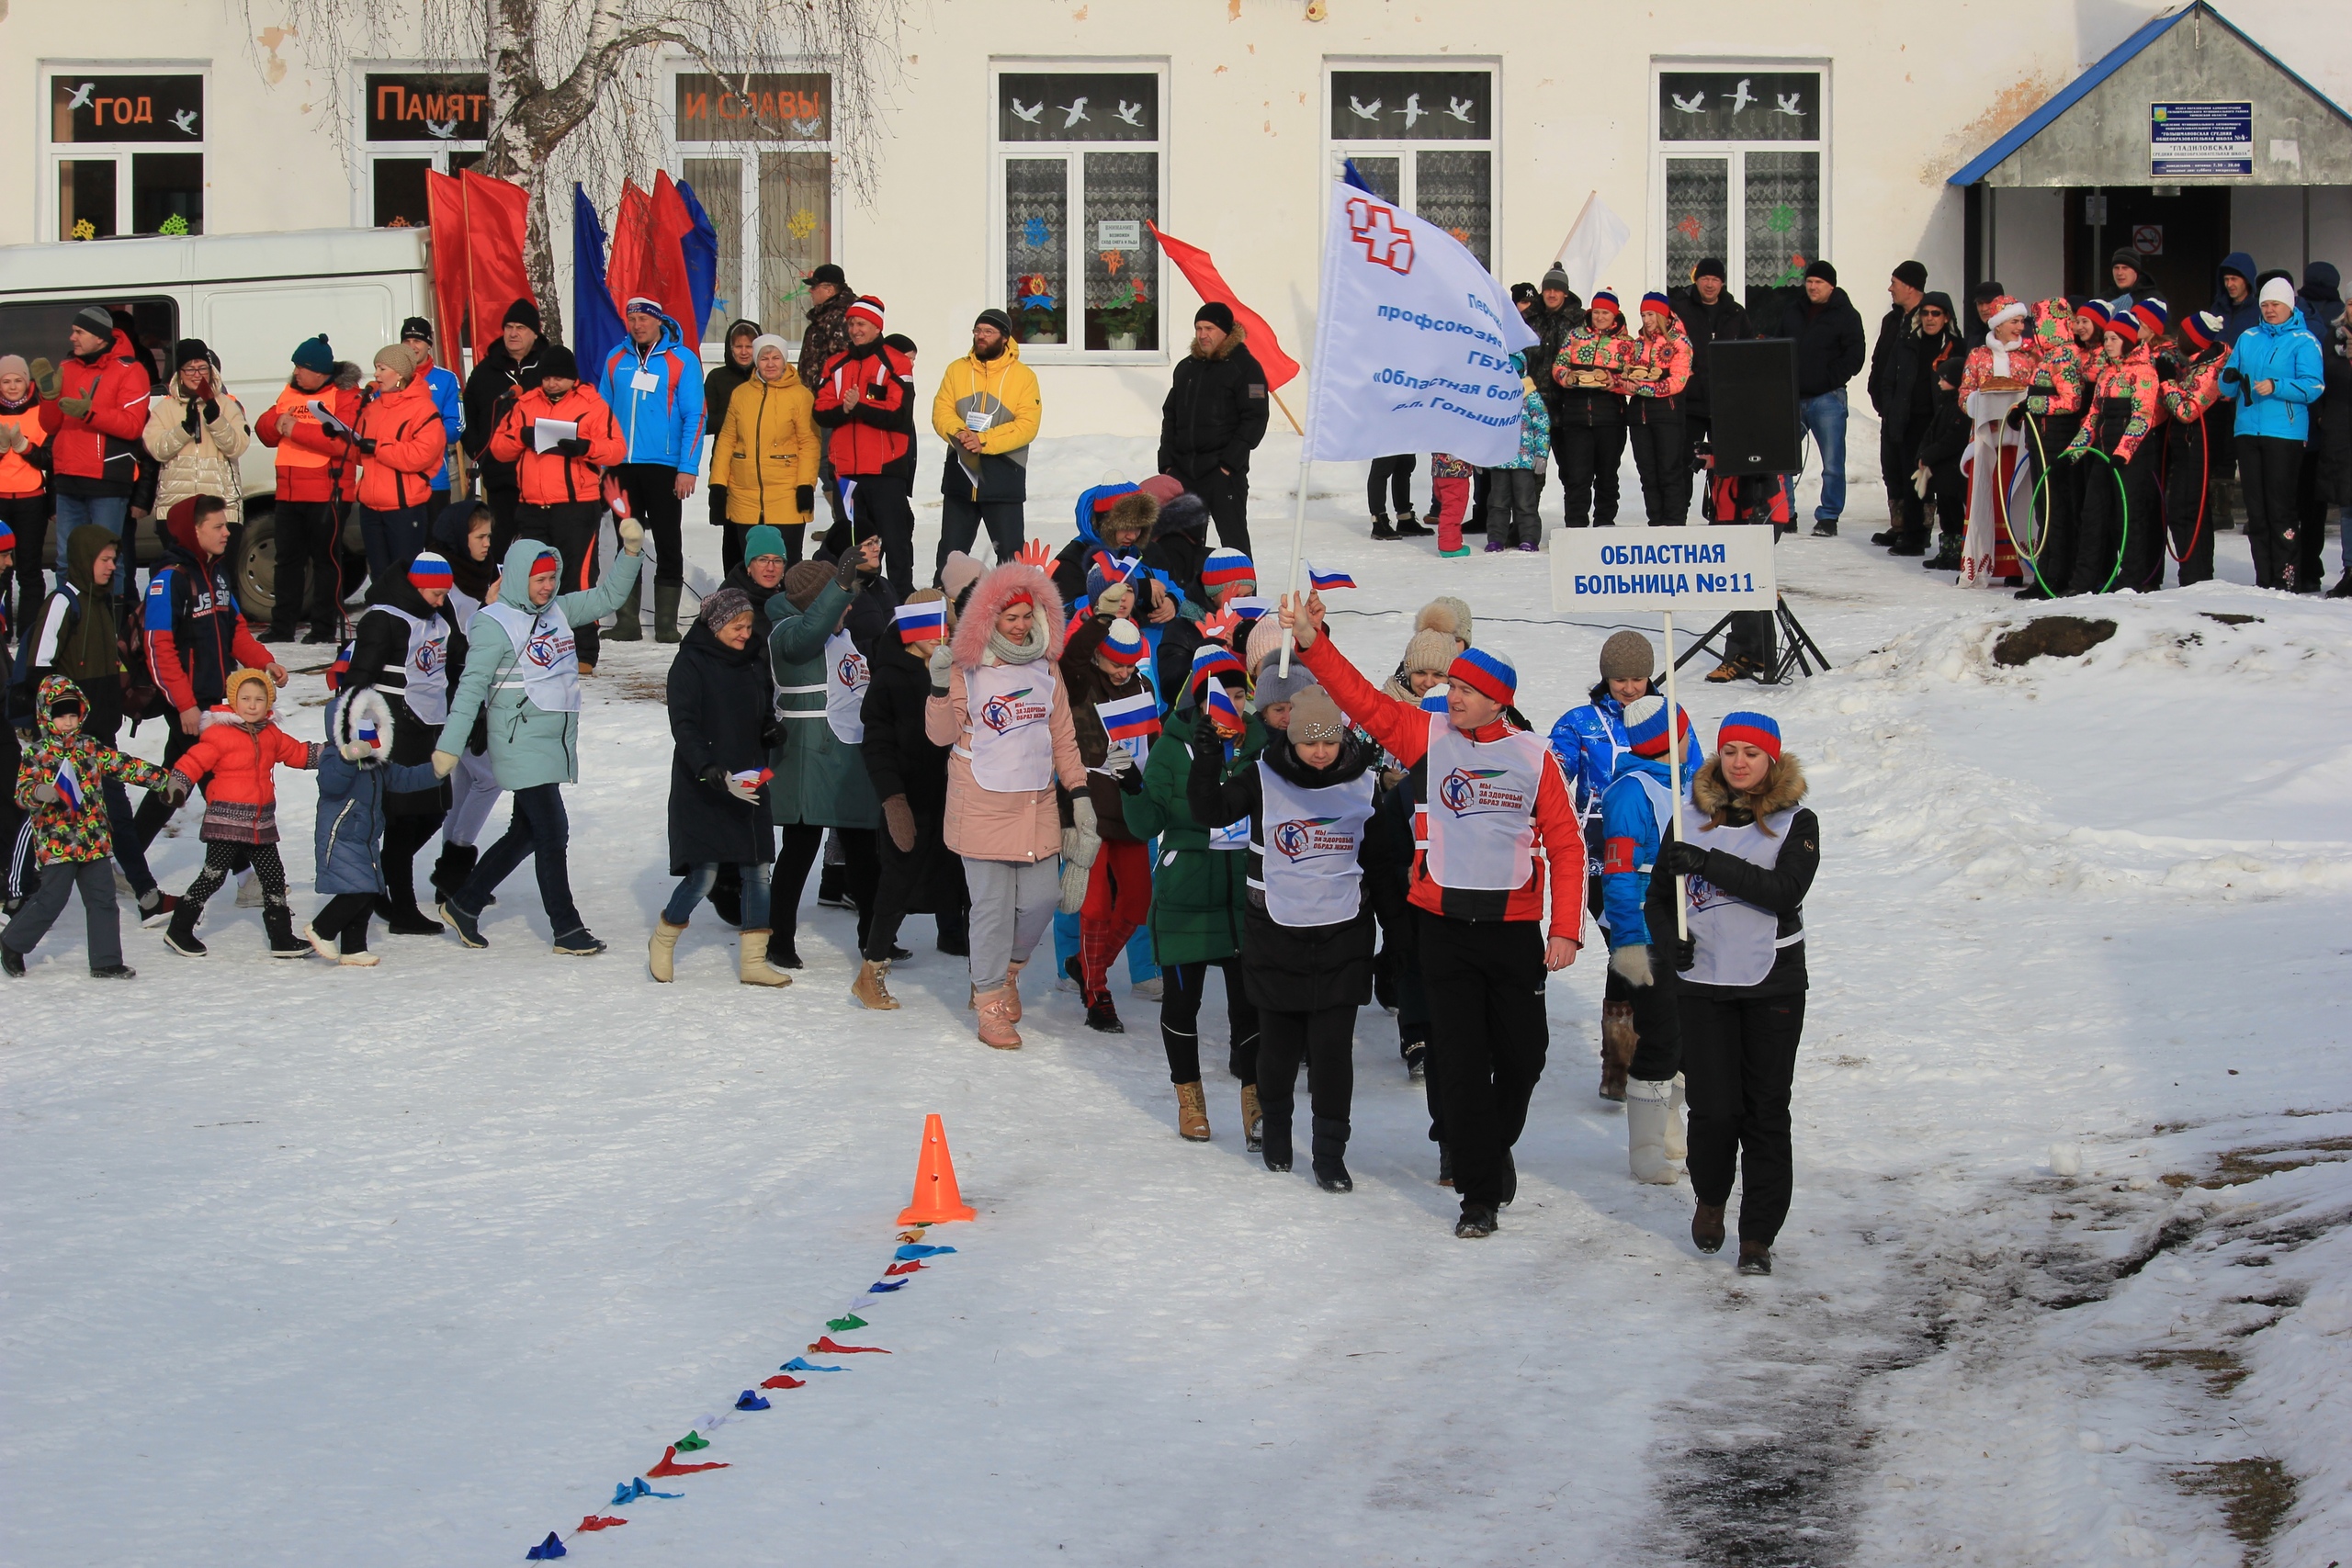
821, 779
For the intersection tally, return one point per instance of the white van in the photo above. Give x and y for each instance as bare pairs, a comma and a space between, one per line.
251, 298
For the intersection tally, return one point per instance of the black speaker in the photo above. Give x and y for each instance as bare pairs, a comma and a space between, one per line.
1752, 406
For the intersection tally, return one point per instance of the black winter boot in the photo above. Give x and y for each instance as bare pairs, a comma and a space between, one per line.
180, 935
1275, 1143
1947, 556
450, 873
1409, 527
1102, 1016
1330, 1147
278, 920
1380, 527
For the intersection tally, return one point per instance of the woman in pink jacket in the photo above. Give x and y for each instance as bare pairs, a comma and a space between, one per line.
997, 700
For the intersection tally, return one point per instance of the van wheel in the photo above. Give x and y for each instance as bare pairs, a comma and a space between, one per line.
255, 573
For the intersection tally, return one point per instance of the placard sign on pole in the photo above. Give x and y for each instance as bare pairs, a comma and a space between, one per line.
1710, 572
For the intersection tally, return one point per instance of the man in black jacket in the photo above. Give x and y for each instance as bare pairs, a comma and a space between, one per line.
1213, 418
1828, 334
498, 374
1557, 311
909, 776
1894, 376
1709, 315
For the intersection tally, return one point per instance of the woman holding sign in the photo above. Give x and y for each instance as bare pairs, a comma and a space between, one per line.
997, 700
1750, 859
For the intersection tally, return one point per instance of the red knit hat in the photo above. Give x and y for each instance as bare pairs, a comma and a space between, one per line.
866, 308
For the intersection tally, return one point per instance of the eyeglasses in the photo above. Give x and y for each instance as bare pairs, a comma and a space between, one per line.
1938, 315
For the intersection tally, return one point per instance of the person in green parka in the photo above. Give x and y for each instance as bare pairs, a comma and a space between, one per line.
821, 779
1197, 895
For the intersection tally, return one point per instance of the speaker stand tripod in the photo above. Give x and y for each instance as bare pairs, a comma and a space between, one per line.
1794, 641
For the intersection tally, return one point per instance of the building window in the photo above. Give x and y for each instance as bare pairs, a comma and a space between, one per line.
127, 152
413, 122
1424, 139
1739, 176
758, 151
1079, 170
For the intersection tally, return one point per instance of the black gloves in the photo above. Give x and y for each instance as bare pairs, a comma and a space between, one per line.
189, 421
1131, 781
2016, 416
1683, 860
845, 573
366, 444
1683, 952
716, 776
2168, 367
573, 446
804, 498
211, 411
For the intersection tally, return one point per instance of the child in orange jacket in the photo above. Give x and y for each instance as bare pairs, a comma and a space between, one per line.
235, 760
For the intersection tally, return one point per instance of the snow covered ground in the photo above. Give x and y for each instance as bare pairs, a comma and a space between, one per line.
414, 1265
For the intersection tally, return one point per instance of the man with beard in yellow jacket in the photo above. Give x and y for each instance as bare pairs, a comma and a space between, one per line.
988, 411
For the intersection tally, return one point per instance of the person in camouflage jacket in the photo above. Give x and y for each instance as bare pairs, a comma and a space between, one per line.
72, 841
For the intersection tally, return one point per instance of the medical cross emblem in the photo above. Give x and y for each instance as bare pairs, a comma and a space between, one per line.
1374, 226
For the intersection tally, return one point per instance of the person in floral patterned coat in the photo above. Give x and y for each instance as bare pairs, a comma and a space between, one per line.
1589, 412
2187, 387
1656, 368
58, 786
2117, 540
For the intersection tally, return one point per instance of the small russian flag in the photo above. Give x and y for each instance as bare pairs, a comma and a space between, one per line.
369, 735
1248, 607
1324, 580
1121, 566
69, 785
1218, 702
1130, 718
922, 623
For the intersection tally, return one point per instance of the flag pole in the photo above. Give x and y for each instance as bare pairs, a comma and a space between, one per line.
1297, 550
1674, 779
1286, 413
1588, 199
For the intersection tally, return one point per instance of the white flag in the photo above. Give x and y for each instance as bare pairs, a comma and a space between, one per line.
1597, 239
1413, 346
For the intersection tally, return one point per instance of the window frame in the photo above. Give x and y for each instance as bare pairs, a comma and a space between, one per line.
1074, 156
1409, 173
1734, 154
366, 154
746, 155
53, 152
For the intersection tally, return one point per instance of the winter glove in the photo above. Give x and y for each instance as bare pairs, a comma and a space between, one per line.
1632, 961
2015, 417
177, 785
845, 570
192, 421
633, 535
74, 408
719, 778
1684, 949
443, 763
1082, 840
46, 791
356, 751
804, 498
899, 818
1121, 768
13, 438
942, 660
572, 446
1073, 896
211, 411
367, 445
44, 376
1680, 858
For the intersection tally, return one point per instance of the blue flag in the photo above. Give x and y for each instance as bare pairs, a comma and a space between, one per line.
596, 327
701, 247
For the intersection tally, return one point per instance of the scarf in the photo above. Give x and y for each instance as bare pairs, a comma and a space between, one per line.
1001, 651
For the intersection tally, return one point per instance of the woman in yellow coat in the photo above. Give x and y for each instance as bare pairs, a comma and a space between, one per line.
767, 448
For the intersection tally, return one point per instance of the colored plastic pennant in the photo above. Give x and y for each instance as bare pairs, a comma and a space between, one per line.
629, 1491
749, 1399
844, 1324
802, 1364
916, 1249
592, 1523
547, 1550
884, 1287
909, 1267
911, 1233
781, 1381
670, 1465
825, 1346
693, 1442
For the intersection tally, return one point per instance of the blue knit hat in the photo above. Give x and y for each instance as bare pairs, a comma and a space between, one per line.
1646, 725
313, 354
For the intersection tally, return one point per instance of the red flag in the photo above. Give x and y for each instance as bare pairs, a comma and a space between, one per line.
649, 260
1200, 272
497, 214
445, 208
672, 224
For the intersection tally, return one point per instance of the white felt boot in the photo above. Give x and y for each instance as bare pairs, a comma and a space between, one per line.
1645, 1123
1677, 1147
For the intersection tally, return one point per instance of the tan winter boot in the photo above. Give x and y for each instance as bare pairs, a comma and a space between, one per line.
1192, 1113
752, 962
1253, 1121
1678, 1147
661, 953
996, 1022
871, 989
1013, 988
1616, 1048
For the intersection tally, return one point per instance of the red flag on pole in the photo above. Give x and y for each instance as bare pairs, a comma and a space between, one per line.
1201, 274
649, 259
497, 214
445, 208
672, 224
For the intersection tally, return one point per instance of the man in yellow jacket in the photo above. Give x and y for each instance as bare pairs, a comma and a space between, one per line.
988, 412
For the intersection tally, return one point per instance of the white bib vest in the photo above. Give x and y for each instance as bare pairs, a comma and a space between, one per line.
1480, 810
1310, 873
1737, 941
1013, 729
546, 665
846, 678
422, 678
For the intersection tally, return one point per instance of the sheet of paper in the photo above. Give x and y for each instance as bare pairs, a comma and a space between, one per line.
546, 433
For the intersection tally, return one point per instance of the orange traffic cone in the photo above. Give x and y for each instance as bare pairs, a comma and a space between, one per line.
936, 1198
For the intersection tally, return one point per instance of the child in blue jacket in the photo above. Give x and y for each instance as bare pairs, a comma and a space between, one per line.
1636, 822
354, 773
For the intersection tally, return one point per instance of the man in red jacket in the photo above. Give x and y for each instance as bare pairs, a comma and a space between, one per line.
1491, 810
862, 398
317, 475
561, 477
102, 392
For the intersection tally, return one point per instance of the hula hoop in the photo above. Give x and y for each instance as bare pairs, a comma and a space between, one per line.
2123, 511
2204, 482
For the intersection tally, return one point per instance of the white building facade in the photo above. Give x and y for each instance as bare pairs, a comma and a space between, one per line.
1034, 144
